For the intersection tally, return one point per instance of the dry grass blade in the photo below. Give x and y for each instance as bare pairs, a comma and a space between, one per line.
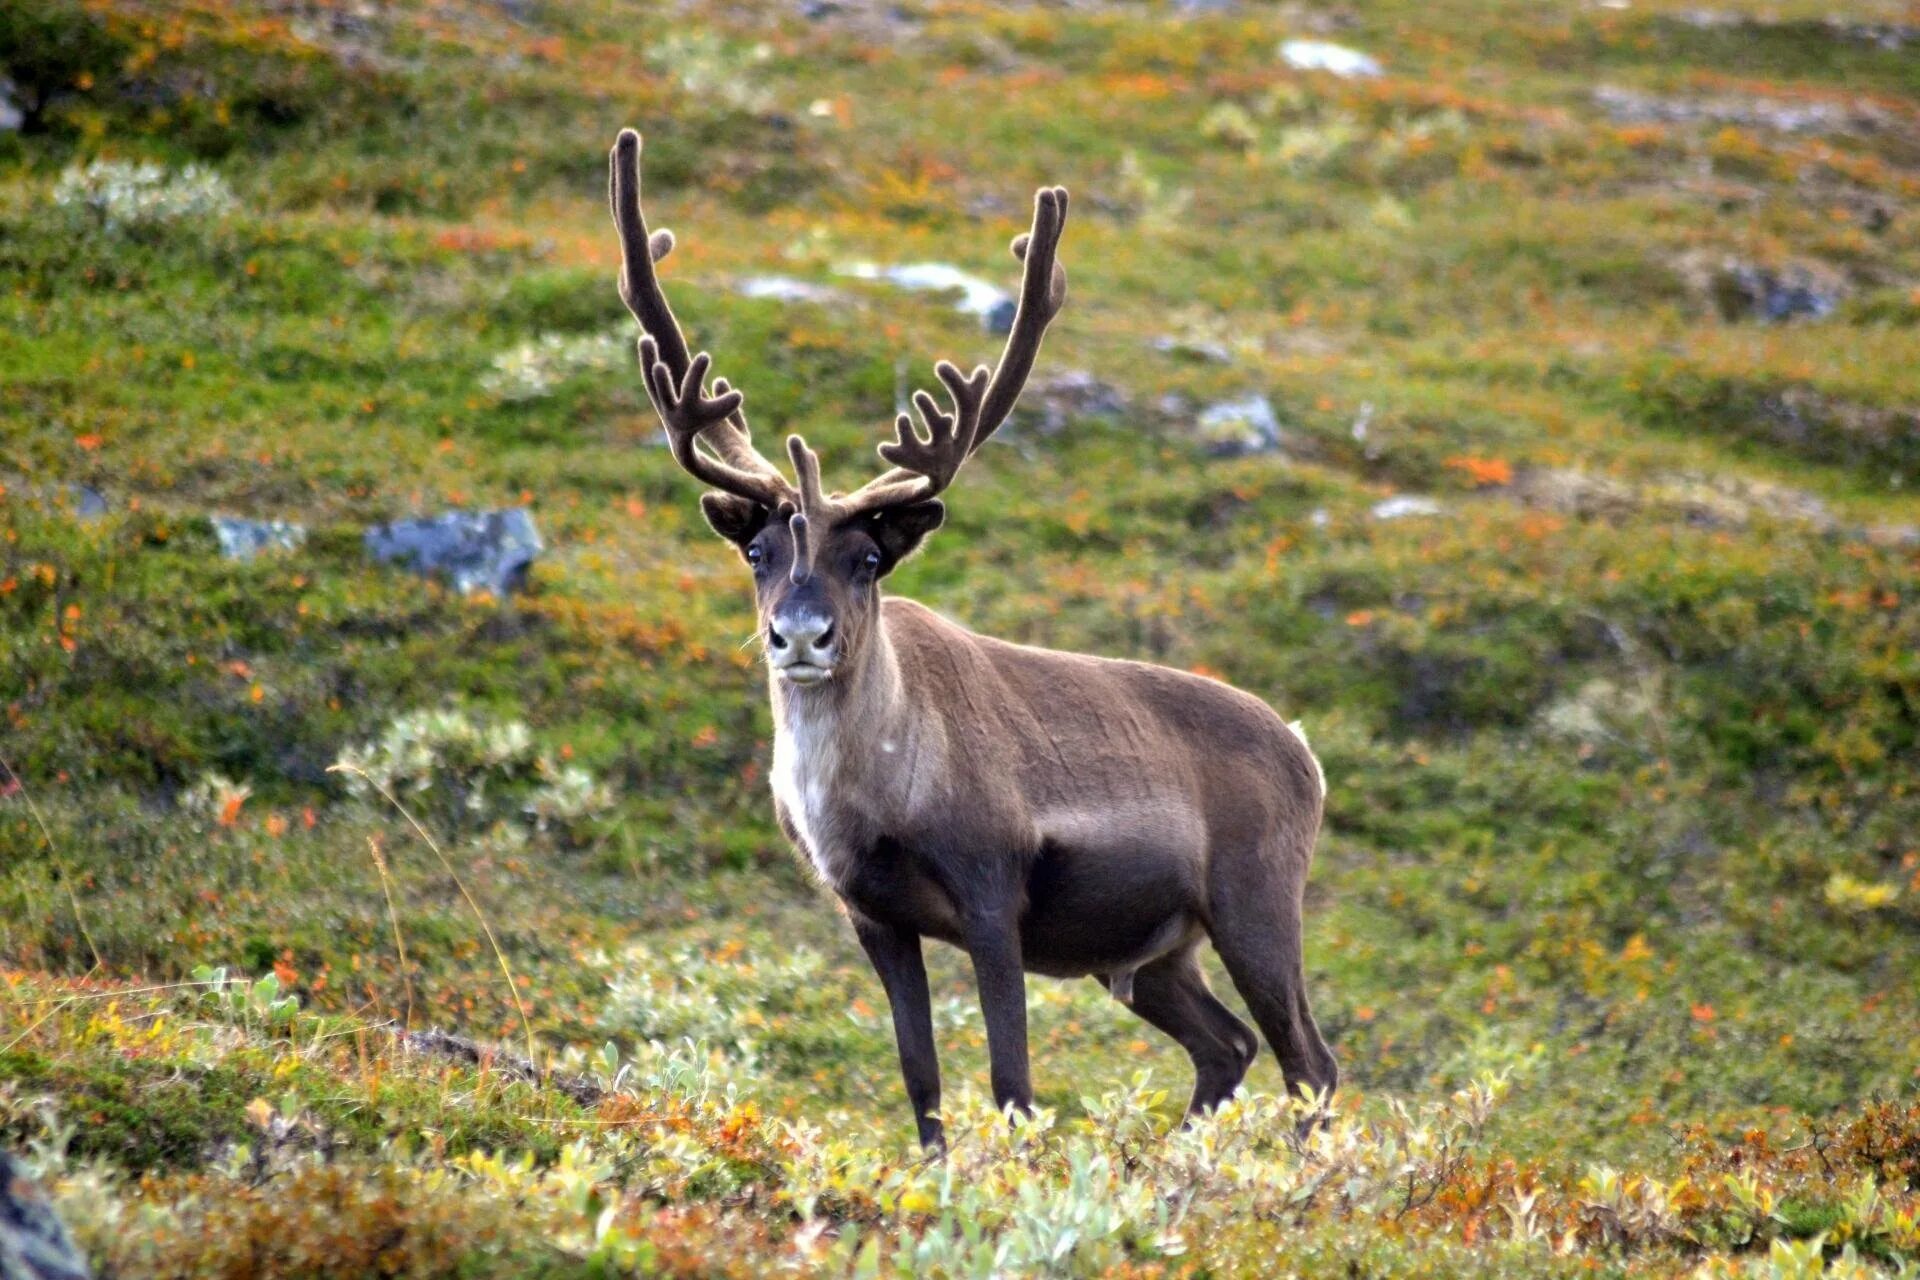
59, 863
393, 918
506, 969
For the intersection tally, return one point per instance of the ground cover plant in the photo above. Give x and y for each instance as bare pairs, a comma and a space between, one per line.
1563, 489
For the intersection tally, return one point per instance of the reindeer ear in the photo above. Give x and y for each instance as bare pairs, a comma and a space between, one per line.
899, 530
737, 519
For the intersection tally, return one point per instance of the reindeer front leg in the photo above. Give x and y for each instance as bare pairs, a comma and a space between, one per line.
993, 941
895, 955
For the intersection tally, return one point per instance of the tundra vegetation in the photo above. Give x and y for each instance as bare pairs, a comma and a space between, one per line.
1573, 514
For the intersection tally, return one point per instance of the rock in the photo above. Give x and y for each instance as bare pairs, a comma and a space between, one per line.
1401, 506
86, 502
1240, 428
1718, 501
1057, 401
1892, 535
82, 502
979, 298
1577, 493
1892, 36
1630, 106
33, 1243
475, 550
1336, 59
244, 539
1203, 350
1741, 290
1706, 500
785, 289
1774, 295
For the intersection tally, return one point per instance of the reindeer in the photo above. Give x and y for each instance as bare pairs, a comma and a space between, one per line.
1046, 812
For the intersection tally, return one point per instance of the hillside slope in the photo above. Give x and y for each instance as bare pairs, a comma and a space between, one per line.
1537, 419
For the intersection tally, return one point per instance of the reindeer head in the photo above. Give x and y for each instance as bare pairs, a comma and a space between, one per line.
817, 557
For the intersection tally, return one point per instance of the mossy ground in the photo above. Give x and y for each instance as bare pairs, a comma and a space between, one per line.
1621, 743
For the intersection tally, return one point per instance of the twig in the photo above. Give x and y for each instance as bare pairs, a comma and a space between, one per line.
447, 1045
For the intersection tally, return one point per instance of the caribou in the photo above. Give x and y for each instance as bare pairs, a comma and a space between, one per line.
1046, 812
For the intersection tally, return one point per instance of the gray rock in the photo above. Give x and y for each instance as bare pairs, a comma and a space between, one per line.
244, 539
785, 289
1892, 36
1241, 427
1058, 400
1401, 506
86, 502
474, 550
1630, 106
1738, 289
977, 297
33, 1243
1743, 290
81, 501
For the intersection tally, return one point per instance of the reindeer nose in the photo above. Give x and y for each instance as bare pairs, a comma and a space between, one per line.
810, 632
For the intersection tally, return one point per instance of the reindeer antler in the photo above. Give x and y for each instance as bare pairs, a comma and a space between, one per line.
924, 468
675, 379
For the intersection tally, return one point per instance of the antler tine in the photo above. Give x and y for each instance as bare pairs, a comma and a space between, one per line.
814, 506
924, 468
683, 408
686, 411
1043, 291
732, 440
639, 283
806, 467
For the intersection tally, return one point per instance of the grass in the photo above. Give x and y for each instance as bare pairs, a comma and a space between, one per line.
1613, 925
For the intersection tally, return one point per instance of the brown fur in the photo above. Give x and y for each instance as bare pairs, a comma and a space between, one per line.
1047, 812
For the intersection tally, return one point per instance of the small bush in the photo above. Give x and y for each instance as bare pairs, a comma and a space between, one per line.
534, 369
468, 775
117, 197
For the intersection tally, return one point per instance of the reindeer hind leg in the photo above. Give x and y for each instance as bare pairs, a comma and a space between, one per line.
1171, 993
1256, 928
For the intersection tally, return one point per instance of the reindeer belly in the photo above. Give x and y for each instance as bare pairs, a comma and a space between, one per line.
1107, 911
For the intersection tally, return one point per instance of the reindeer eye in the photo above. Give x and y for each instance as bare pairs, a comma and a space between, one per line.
872, 561
754, 555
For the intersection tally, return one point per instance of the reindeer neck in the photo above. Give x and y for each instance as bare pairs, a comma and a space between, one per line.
832, 751
863, 697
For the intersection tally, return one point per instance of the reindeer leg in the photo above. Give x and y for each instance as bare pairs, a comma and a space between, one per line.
1257, 930
993, 942
1171, 994
895, 955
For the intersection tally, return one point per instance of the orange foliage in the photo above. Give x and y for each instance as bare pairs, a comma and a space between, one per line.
1485, 472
